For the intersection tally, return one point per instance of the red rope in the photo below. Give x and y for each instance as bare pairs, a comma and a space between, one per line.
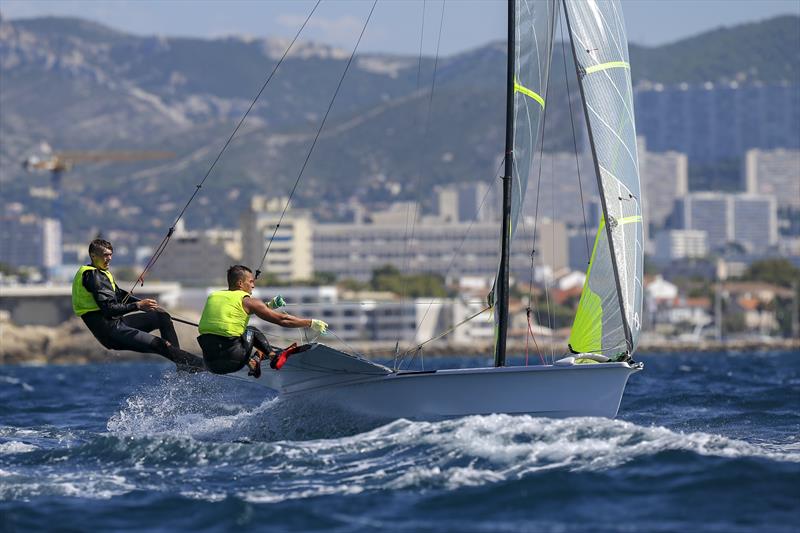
532, 336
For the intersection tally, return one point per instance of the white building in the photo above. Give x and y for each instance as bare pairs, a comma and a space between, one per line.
360, 316
354, 250
671, 245
289, 256
465, 202
747, 219
29, 241
774, 173
665, 178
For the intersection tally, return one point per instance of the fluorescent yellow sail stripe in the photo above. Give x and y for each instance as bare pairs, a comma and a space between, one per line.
629, 220
606, 66
527, 92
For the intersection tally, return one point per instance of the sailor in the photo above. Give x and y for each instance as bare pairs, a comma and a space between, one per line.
102, 306
226, 339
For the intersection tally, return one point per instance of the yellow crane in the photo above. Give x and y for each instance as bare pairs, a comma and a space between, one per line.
59, 162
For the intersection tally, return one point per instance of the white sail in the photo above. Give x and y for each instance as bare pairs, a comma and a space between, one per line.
609, 314
535, 24
533, 37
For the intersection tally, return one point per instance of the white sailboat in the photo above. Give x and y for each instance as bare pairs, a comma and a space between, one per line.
606, 329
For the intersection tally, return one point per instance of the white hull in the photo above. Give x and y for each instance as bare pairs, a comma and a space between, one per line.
356, 385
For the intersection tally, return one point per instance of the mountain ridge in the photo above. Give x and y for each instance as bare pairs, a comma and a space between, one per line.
80, 85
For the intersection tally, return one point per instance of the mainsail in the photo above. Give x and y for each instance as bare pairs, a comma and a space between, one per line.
534, 24
608, 320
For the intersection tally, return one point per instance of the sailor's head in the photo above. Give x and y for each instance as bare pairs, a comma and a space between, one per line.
101, 251
240, 278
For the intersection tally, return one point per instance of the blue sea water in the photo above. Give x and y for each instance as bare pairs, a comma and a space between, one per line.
703, 442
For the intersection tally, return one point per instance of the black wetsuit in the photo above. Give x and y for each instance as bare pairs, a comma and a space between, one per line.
118, 332
223, 355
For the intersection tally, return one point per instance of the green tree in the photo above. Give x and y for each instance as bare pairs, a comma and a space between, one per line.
778, 271
388, 278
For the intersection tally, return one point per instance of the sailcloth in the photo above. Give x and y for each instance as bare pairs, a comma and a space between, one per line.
533, 38
608, 319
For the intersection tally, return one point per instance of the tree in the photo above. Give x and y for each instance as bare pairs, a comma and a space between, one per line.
778, 271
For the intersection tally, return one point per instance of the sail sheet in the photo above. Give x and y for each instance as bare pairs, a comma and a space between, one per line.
609, 313
533, 38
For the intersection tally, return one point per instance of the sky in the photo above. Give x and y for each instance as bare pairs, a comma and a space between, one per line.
395, 25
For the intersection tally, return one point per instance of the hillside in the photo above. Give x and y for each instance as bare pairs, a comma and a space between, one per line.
80, 85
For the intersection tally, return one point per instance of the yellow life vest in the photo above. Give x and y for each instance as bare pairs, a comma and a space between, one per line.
82, 300
224, 314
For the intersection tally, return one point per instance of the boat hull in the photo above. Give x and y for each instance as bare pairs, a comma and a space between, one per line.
375, 391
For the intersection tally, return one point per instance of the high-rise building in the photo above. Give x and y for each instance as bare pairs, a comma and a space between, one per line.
774, 173
465, 202
755, 222
28, 241
665, 177
672, 245
746, 219
709, 121
289, 256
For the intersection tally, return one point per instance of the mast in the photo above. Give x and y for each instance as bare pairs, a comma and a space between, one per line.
601, 190
501, 301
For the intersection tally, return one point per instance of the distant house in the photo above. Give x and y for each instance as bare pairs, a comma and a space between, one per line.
669, 312
755, 302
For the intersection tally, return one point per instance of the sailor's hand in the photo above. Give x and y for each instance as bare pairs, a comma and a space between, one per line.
276, 302
148, 304
319, 326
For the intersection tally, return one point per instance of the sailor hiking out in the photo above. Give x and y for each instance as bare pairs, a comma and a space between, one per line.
225, 337
105, 308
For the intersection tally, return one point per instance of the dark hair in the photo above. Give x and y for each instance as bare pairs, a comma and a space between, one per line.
99, 246
236, 273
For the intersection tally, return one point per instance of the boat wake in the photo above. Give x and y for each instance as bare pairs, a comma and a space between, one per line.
192, 436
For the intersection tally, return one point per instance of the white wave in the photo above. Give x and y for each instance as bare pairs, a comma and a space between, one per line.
16, 381
14, 446
292, 451
90, 485
481, 450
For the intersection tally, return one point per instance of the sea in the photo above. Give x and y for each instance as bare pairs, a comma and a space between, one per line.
702, 442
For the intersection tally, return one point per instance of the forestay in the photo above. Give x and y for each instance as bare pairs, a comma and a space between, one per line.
609, 313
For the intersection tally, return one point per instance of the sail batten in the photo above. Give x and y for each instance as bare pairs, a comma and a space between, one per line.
609, 312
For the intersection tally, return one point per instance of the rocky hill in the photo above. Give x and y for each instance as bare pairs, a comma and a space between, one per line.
79, 85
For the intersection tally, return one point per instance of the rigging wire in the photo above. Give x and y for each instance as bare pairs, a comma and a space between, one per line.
575, 144
407, 239
447, 331
399, 359
316, 138
163, 245
423, 137
408, 209
532, 299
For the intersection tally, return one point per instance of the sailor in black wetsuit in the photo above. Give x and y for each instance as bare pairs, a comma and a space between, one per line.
99, 302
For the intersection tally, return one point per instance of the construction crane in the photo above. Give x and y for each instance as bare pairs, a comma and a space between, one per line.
60, 162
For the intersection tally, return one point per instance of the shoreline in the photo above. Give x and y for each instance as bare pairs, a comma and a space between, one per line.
72, 344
